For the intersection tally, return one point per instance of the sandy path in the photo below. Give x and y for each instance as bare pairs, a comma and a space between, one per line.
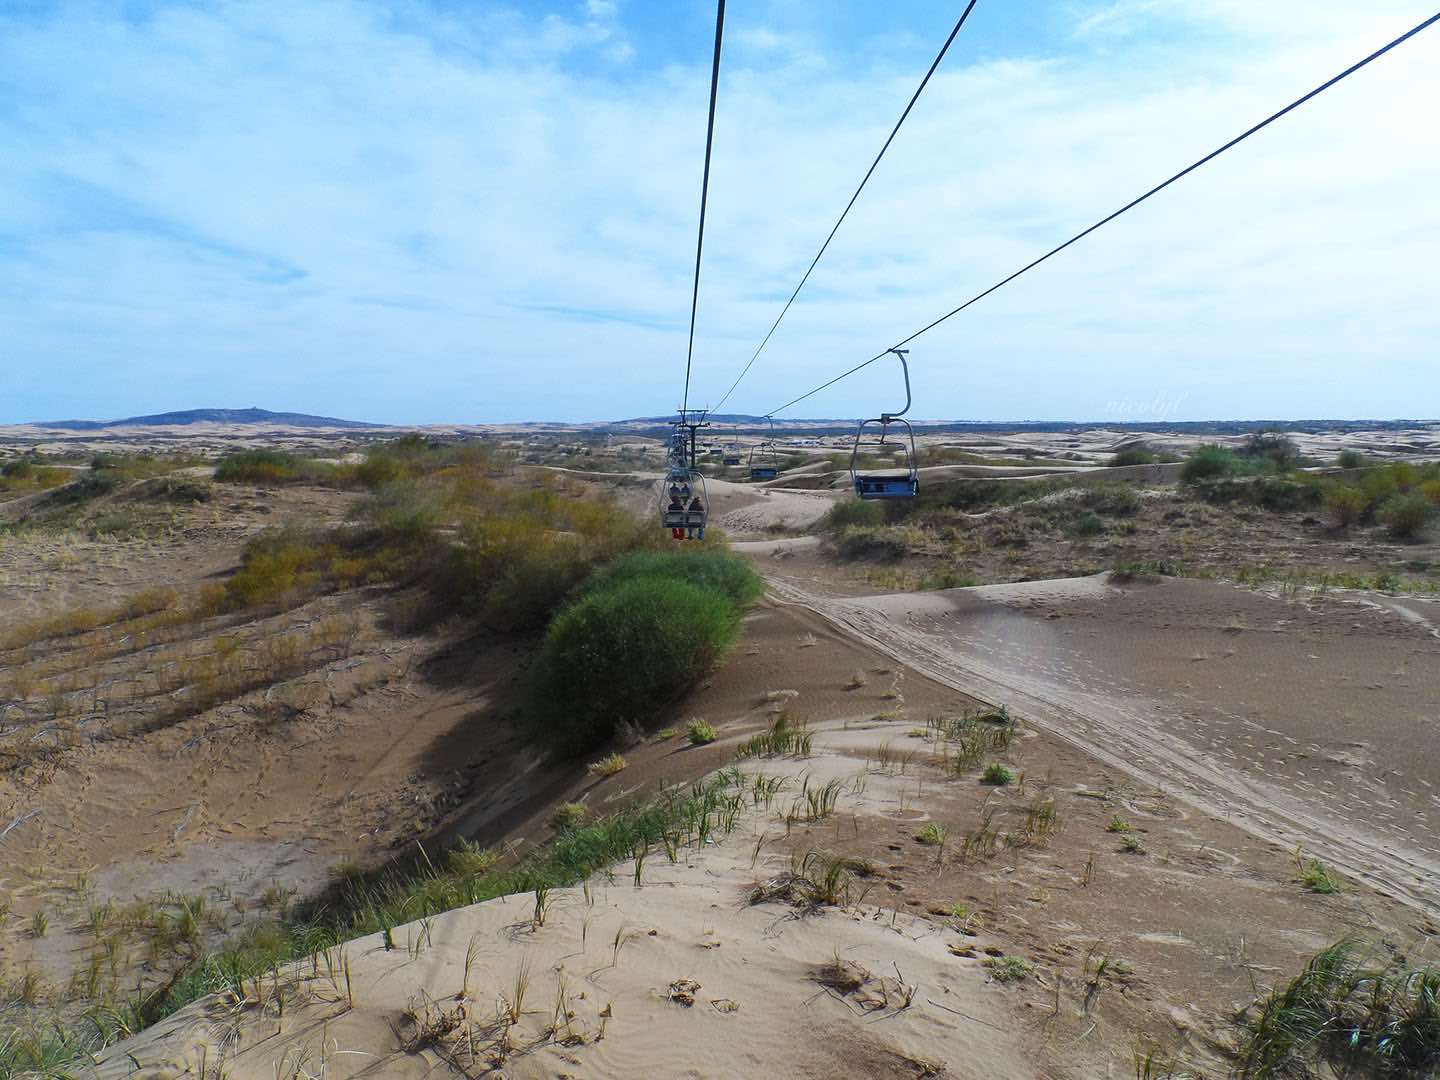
1311, 725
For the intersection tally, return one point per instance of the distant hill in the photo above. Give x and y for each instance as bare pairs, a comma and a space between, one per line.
210, 416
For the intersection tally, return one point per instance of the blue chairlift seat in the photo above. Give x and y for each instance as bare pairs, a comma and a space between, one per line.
876, 486
763, 472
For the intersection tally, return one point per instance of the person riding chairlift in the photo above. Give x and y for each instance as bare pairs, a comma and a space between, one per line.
676, 507
696, 532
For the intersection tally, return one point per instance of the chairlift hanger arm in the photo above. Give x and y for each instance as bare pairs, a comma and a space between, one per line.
886, 417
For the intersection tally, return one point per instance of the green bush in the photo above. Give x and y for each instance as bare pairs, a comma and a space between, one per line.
1379, 485
1279, 450
1345, 505
1207, 463
1088, 525
621, 653
1117, 500
996, 775
1135, 455
87, 486
869, 543
700, 732
1350, 459
710, 570
1270, 492
853, 512
1406, 515
274, 467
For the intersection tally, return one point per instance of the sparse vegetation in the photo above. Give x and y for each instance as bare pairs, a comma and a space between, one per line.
1008, 969
932, 834
1316, 876
1406, 516
784, 738
815, 879
1350, 1013
609, 765
996, 774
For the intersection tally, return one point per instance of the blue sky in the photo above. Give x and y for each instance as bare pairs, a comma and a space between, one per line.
450, 211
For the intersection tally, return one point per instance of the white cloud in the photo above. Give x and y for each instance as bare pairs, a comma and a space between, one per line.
490, 226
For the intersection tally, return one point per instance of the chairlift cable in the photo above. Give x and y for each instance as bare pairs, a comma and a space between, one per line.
704, 196
868, 173
1128, 206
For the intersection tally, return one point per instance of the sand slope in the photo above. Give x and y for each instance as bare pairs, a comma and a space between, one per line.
680, 977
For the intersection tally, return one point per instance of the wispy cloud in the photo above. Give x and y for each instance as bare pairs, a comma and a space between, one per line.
415, 212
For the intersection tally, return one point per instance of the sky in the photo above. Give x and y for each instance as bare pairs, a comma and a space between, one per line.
431, 211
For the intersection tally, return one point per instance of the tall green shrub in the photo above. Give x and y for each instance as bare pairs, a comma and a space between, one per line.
621, 653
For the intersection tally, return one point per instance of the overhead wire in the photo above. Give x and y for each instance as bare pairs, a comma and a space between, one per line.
704, 196
1128, 206
868, 173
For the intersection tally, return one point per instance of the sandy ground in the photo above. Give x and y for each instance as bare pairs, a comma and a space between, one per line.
1226, 726
1310, 722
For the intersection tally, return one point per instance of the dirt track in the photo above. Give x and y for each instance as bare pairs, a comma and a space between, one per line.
1303, 723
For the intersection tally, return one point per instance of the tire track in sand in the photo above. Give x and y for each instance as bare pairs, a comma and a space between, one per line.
1131, 740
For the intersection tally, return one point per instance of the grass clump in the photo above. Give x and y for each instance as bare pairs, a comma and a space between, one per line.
632, 642
1346, 1014
570, 815
1008, 969
1316, 876
608, 765
700, 733
784, 738
932, 835
996, 775
816, 879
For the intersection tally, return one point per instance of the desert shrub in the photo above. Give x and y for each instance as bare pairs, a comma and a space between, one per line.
1378, 485
19, 469
711, 570
1268, 492
1350, 459
1088, 525
1119, 500
86, 486
1133, 455
700, 732
1345, 505
1346, 1014
273, 467
1406, 515
1431, 490
619, 654
854, 512
879, 543
176, 489
522, 554
1279, 450
281, 565
1207, 463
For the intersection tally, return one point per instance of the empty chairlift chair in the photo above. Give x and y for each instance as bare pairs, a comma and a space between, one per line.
764, 461
902, 481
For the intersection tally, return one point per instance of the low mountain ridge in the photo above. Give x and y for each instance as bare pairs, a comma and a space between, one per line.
210, 416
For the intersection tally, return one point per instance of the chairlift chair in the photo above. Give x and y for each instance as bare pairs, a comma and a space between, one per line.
732, 454
764, 462
888, 483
